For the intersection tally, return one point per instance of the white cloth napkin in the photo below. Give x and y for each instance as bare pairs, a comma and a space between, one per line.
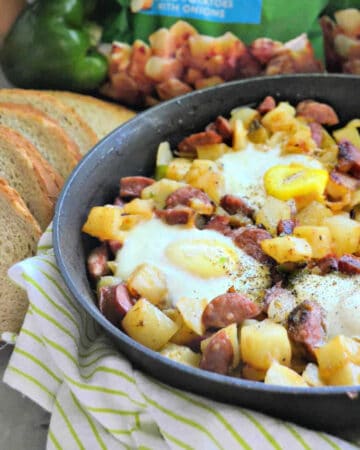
64, 362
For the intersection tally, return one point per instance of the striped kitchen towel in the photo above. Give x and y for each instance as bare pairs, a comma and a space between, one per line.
63, 361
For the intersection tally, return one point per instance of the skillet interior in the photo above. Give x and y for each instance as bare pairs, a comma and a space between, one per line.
131, 150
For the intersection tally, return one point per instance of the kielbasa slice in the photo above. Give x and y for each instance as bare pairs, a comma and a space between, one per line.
229, 308
218, 354
234, 205
316, 132
114, 246
306, 325
267, 105
132, 187
188, 145
349, 159
249, 238
286, 226
220, 224
349, 264
180, 215
275, 293
327, 264
184, 195
97, 262
115, 302
319, 112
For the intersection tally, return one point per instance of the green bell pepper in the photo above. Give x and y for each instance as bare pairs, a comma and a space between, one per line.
50, 46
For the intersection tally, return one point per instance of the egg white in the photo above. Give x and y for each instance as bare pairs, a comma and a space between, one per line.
244, 170
147, 243
338, 294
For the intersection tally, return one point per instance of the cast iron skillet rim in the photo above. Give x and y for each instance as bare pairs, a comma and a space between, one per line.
91, 308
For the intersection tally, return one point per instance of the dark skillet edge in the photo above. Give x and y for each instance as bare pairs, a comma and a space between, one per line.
265, 398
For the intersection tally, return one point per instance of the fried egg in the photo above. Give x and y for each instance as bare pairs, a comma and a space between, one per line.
197, 264
244, 170
338, 294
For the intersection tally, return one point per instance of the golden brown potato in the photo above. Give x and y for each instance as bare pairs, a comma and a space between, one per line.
283, 376
345, 233
149, 282
287, 249
181, 354
272, 212
319, 239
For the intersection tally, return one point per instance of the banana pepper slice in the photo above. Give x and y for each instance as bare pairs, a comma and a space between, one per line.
292, 181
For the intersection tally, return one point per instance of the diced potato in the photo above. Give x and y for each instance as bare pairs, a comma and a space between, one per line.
140, 207
208, 82
257, 132
161, 69
149, 282
206, 175
312, 376
345, 233
283, 376
347, 375
184, 335
287, 249
335, 354
129, 221
272, 212
203, 257
192, 311
348, 20
349, 133
340, 185
313, 214
164, 157
180, 32
160, 190
245, 114
104, 222
181, 354
212, 151
145, 323
239, 135
264, 342
201, 45
281, 118
108, 280
300, 141
232, 334
161, 43
319, 239
178, 168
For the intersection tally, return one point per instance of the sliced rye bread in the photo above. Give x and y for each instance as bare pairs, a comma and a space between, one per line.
103, 117
20, 233
71, 122
22, 166
44, 133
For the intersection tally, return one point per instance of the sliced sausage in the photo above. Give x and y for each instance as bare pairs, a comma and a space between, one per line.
220, 224
131, 187
188, 145
184, 195
274, 293
268, 104
319, 112
114, 246
349, 264
229, 308
349, 159
306, 325
115, 302
218, 354
286, 226
316, 132
118, 202
249, 238
233, 205
223, 127
327, 264
180, 215
97, 262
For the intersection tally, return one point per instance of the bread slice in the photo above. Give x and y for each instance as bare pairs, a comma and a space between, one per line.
103, 117
75, 127
19, 233
30, 174
44, 133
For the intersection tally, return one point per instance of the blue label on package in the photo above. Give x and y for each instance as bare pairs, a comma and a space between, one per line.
225, 11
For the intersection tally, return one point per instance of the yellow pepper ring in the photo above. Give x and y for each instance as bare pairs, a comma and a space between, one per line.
287, 182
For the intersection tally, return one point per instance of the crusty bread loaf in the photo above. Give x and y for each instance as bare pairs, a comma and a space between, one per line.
44, 133
19, 235
103, 117
76, 128
30, 174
